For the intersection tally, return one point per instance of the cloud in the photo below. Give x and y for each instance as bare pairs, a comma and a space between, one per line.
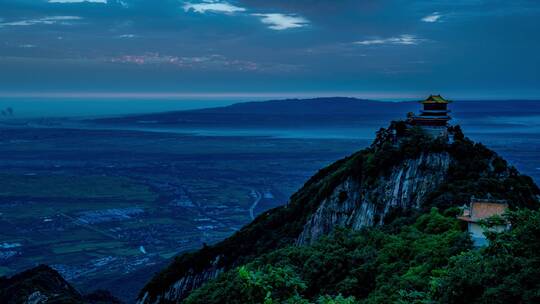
274, 21
434, 17
127, 36
207, 62
213, 6
78, 1
213, 62
281, 22
399, 40
64, 20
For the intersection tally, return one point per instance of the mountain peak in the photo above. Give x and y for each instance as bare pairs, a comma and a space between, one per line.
404, 171
43, 285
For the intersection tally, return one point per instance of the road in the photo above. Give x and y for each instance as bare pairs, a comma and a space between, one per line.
258, 197
88, 226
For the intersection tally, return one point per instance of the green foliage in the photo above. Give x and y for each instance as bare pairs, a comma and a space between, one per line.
507, 271
336, 300
266, 285
429, 261
434, 222
269, 284
499, 165
477, 171
372, 265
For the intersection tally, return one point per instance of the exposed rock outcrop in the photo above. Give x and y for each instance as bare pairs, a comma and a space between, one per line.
355, 206
44, 285
183, 286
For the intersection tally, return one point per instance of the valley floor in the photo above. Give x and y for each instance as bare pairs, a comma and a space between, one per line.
104, 207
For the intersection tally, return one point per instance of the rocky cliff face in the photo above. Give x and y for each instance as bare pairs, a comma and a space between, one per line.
354, 206
183, 286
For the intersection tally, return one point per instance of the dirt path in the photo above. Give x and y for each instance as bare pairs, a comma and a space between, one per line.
258, 197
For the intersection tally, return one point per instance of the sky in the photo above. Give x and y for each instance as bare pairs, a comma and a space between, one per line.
365, 48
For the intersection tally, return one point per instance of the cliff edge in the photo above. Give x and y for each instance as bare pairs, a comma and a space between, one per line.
404, 171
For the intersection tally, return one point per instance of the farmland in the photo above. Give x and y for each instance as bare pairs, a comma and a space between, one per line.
119, 204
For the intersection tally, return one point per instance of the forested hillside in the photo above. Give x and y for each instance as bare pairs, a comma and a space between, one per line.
428, 261
392, 186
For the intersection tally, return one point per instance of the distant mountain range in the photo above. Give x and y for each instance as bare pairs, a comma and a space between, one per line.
274, 112
318, 111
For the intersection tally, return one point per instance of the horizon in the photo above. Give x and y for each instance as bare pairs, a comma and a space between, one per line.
257, 96
102, 105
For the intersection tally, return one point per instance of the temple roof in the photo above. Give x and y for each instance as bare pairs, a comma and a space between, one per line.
481, 210
435, 99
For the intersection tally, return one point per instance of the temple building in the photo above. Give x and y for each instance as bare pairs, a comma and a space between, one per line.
479, 210
433, 117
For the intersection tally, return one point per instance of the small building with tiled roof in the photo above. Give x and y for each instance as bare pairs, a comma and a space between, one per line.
479, 210
433, 117
434, 99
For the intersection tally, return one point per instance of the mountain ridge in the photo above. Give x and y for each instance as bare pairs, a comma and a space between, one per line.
355, 192
44, 285
328, 109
